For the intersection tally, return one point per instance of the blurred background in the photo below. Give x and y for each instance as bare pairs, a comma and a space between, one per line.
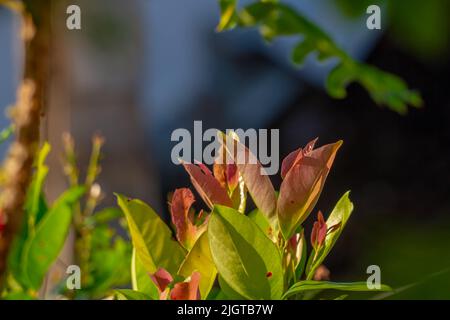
140, 69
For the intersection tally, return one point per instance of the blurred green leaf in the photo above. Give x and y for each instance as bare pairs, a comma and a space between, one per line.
35, 208
152, 239
275, 20
108, 264
310, 285
104, 216
199, 259
245, 257
41, 249
6, 133
228, 14
35, 205
18, 296
13, 5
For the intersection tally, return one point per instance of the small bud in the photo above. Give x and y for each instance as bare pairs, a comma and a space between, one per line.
95, 191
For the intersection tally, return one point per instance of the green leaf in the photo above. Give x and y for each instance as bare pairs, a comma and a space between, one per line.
340, 214
301, 51
35, 204
141, 280
127, 294
109, 265
18, 296
6, 133
261, 221
300, 268
207, 186
199, 259
228, 292
104, 216
227, 14
338, 80
277, 19
35, 208
41, 249
309, 285
152, 239
245, 257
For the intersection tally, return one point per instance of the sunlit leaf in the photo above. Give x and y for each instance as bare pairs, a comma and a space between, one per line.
187, 290
199, 259
245, 257
227, 292
140, 278
152, 239
127, 294
207, 186
183, 217
256, 181
309, 285
339, 216
302, 186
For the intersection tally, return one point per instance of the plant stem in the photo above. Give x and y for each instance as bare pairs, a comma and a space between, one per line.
26, 116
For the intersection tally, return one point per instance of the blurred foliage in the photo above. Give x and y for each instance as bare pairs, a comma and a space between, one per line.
42, 235
275, 20
102, 255
12, 4
420, 27
413, 257
6, 133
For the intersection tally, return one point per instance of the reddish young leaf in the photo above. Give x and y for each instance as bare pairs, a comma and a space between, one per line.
258, 184
162, 279
204, 168
295, 156
225, 171
182, 217
187, 290
319, 232
303, 184
207, 186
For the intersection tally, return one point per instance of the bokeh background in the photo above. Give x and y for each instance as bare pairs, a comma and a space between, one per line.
140, 69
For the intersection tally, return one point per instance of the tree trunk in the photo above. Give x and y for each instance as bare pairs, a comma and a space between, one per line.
31, 99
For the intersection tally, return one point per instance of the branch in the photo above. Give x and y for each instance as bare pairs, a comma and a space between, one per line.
275, 19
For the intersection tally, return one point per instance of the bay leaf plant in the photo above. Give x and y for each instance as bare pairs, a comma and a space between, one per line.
228, 252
